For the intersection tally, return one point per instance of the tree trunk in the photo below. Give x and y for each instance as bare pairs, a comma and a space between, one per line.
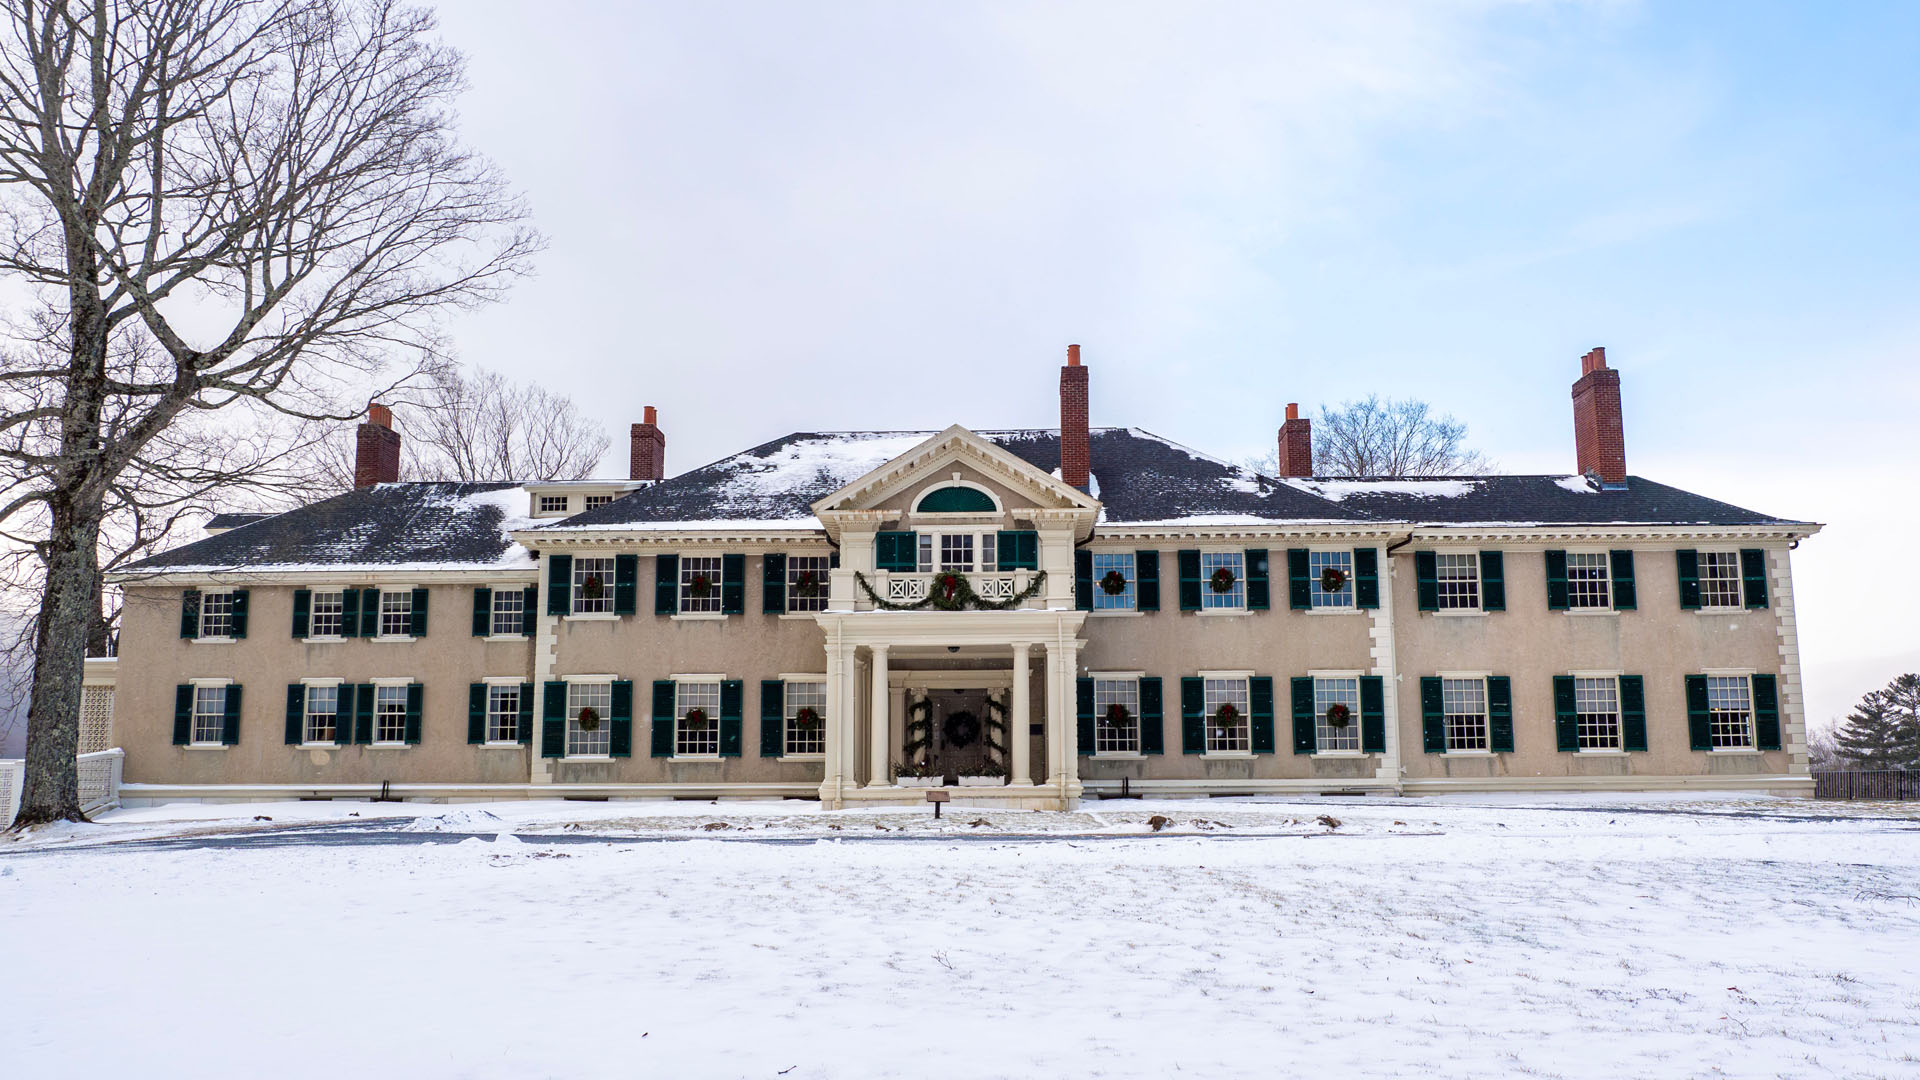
99, 631
53, 718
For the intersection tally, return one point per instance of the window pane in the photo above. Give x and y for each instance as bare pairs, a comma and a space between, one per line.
989, 559
1109, 563
701, 735
209, 714
1227, 734
553, 504
216, 614
396, 614
509, 612
323, 712
1211, 563
1318, 563
810, 737
1720, 579
699, 584
807, 582
1596, 706
1464, 702
1588, 581
1459, 580
589, 735
1116, 732
389, 714
323, 614
503, 714
1328, 693
956, 551
593, 586
1730, 711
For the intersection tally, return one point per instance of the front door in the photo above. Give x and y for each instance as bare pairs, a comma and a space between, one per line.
959, 732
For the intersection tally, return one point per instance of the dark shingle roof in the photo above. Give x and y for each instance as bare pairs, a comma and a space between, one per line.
390, 526
1528, 500
232, 521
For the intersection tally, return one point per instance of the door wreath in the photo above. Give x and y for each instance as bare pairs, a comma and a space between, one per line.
961, 730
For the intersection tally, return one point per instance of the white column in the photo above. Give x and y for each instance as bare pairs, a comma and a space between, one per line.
1058, 716
877, 773
896, 733
839, 720
1020, 723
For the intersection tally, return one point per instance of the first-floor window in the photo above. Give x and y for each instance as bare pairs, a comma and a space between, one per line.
1228, 727
503, 713
1730, 711
1218, 568
807, 583
1464, 702
1318, 563
805, 734
216, 614
1588, 580
1596, 707
1109, 568
509, 612
699, 583
696, 710
592, 585
1457, 575
396, 613
390, 714
323, 713
1116, 716
1720, 579
589, 728
324, 614
1336, 705
209, 715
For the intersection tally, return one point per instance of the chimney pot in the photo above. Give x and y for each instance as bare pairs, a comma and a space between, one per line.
648, 460
379, 414
649, 415
1599, 431
1296, 444
1076, 465
1293, 410
376, 451
1073, 356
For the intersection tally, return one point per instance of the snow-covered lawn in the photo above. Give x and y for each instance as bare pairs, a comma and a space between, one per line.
1458, 937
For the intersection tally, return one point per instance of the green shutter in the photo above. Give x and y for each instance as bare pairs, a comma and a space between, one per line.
523, 726
1153, 735
733, 584
773, 586
897, 551
414, 693
1083, 580
370, 612
1556, 581
1366, 577
1699, 721
1688, 561
773, 718
1766, 713
482, 611
1633, 713
476, 713
1306, 737
732, 709
1433, 716
1500, 714
1258, 594
296, 714
626, 584
182, 714
560, 584
663, 699
553, 720
1753, 576
1189, 561
1493, 581
418, 617
363, 714
1017, 549
620, 729
1566, 722
666, 584
302, 613
529, 609
1300, 580
190, 614
1625, 595
1146, 581
1083, 716
349, 612
230, 727
1260, 704
1193, 730
1426, 577
1373, 715
238, 620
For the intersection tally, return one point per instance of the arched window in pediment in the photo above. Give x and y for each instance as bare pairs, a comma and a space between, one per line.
955, 500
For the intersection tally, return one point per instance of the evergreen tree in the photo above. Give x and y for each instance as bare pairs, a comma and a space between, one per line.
1884, 730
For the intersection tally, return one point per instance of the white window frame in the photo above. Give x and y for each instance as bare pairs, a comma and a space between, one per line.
1753, 736
595, 502
1320, 730
821, 599
200, 623
1606, 579
1739, 581
929, 544
683, 593
788, 707
1125, 603
1316, 564
1619, 715
518, 686
1238, 595
313, 601
681, 708
541, 507
380, 613
389, 684
576, 592
307, 687
571, 728
1472, 557
1245, 679
1486, 711
517, 592
194, 742
1131, 678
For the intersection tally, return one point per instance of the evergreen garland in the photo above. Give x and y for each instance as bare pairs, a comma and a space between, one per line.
951, 591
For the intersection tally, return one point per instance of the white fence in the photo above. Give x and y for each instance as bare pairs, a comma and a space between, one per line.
99, 783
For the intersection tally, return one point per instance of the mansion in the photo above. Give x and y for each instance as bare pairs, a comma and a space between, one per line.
1028, 617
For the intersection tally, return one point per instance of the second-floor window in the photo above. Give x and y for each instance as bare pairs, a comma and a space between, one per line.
962, 551
326, 614
1218, 569
509, 612
700, 583
1319, 563
396, 613
592, 585
807, 583
1589, 577
216, 614
1110, 569
1720, 579
1457, 575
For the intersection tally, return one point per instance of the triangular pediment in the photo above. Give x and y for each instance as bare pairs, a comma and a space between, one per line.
978, 460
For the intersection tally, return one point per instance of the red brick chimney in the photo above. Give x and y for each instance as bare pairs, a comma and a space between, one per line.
1599, 435
376, 457
1075, 459
649, 449
1296, 443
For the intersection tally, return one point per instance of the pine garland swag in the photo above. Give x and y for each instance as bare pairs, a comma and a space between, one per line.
951, 591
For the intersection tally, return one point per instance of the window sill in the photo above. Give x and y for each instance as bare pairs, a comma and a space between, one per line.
1468, 753
1590, 611
699, 616
393, 638
1599, 752
1337, 611
493, 638
214, 640
1228, 754
1724, 610
1115, 613
322, 746
1735, 750
591, 616
803, 757
389, 746
506, 745
795, 616
699, 757
1460, 613
206, 746
1118, 755
1340, 753
588, 757
1216, 612
323, 639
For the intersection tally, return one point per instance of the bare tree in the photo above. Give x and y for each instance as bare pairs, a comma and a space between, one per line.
264, 201
1386, 437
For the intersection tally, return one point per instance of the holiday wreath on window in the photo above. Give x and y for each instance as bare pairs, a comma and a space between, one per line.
1114, 583
1222, 580
1338, 715
589, 719
1333, 579
695, 719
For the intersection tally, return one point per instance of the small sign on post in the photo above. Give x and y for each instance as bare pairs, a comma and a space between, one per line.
938, 797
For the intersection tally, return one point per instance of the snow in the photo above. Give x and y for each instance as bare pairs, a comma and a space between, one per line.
1456, 937
1577, 484
1338, 490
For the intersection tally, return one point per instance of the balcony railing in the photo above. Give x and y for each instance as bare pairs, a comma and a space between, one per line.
996, 586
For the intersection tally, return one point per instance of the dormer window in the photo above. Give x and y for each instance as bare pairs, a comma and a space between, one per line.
553, 504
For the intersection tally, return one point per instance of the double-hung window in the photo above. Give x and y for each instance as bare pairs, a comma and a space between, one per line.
808, 585
1464, 705
1116, 715
323, 714
1589, 581
1457, 576
700, 582
1596, 710
1223, 568
1318, 565
553, 504
1720, 579
326, 614
390, 713
509, 612
209, 715
593, 585
589, 725
396, 613
1112, 568
503, 712
1336, 707
696, 712
1730, 711
965, 552
805, 735
1228, 726
216, 614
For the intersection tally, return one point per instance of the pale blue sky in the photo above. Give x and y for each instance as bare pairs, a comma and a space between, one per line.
780, 216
